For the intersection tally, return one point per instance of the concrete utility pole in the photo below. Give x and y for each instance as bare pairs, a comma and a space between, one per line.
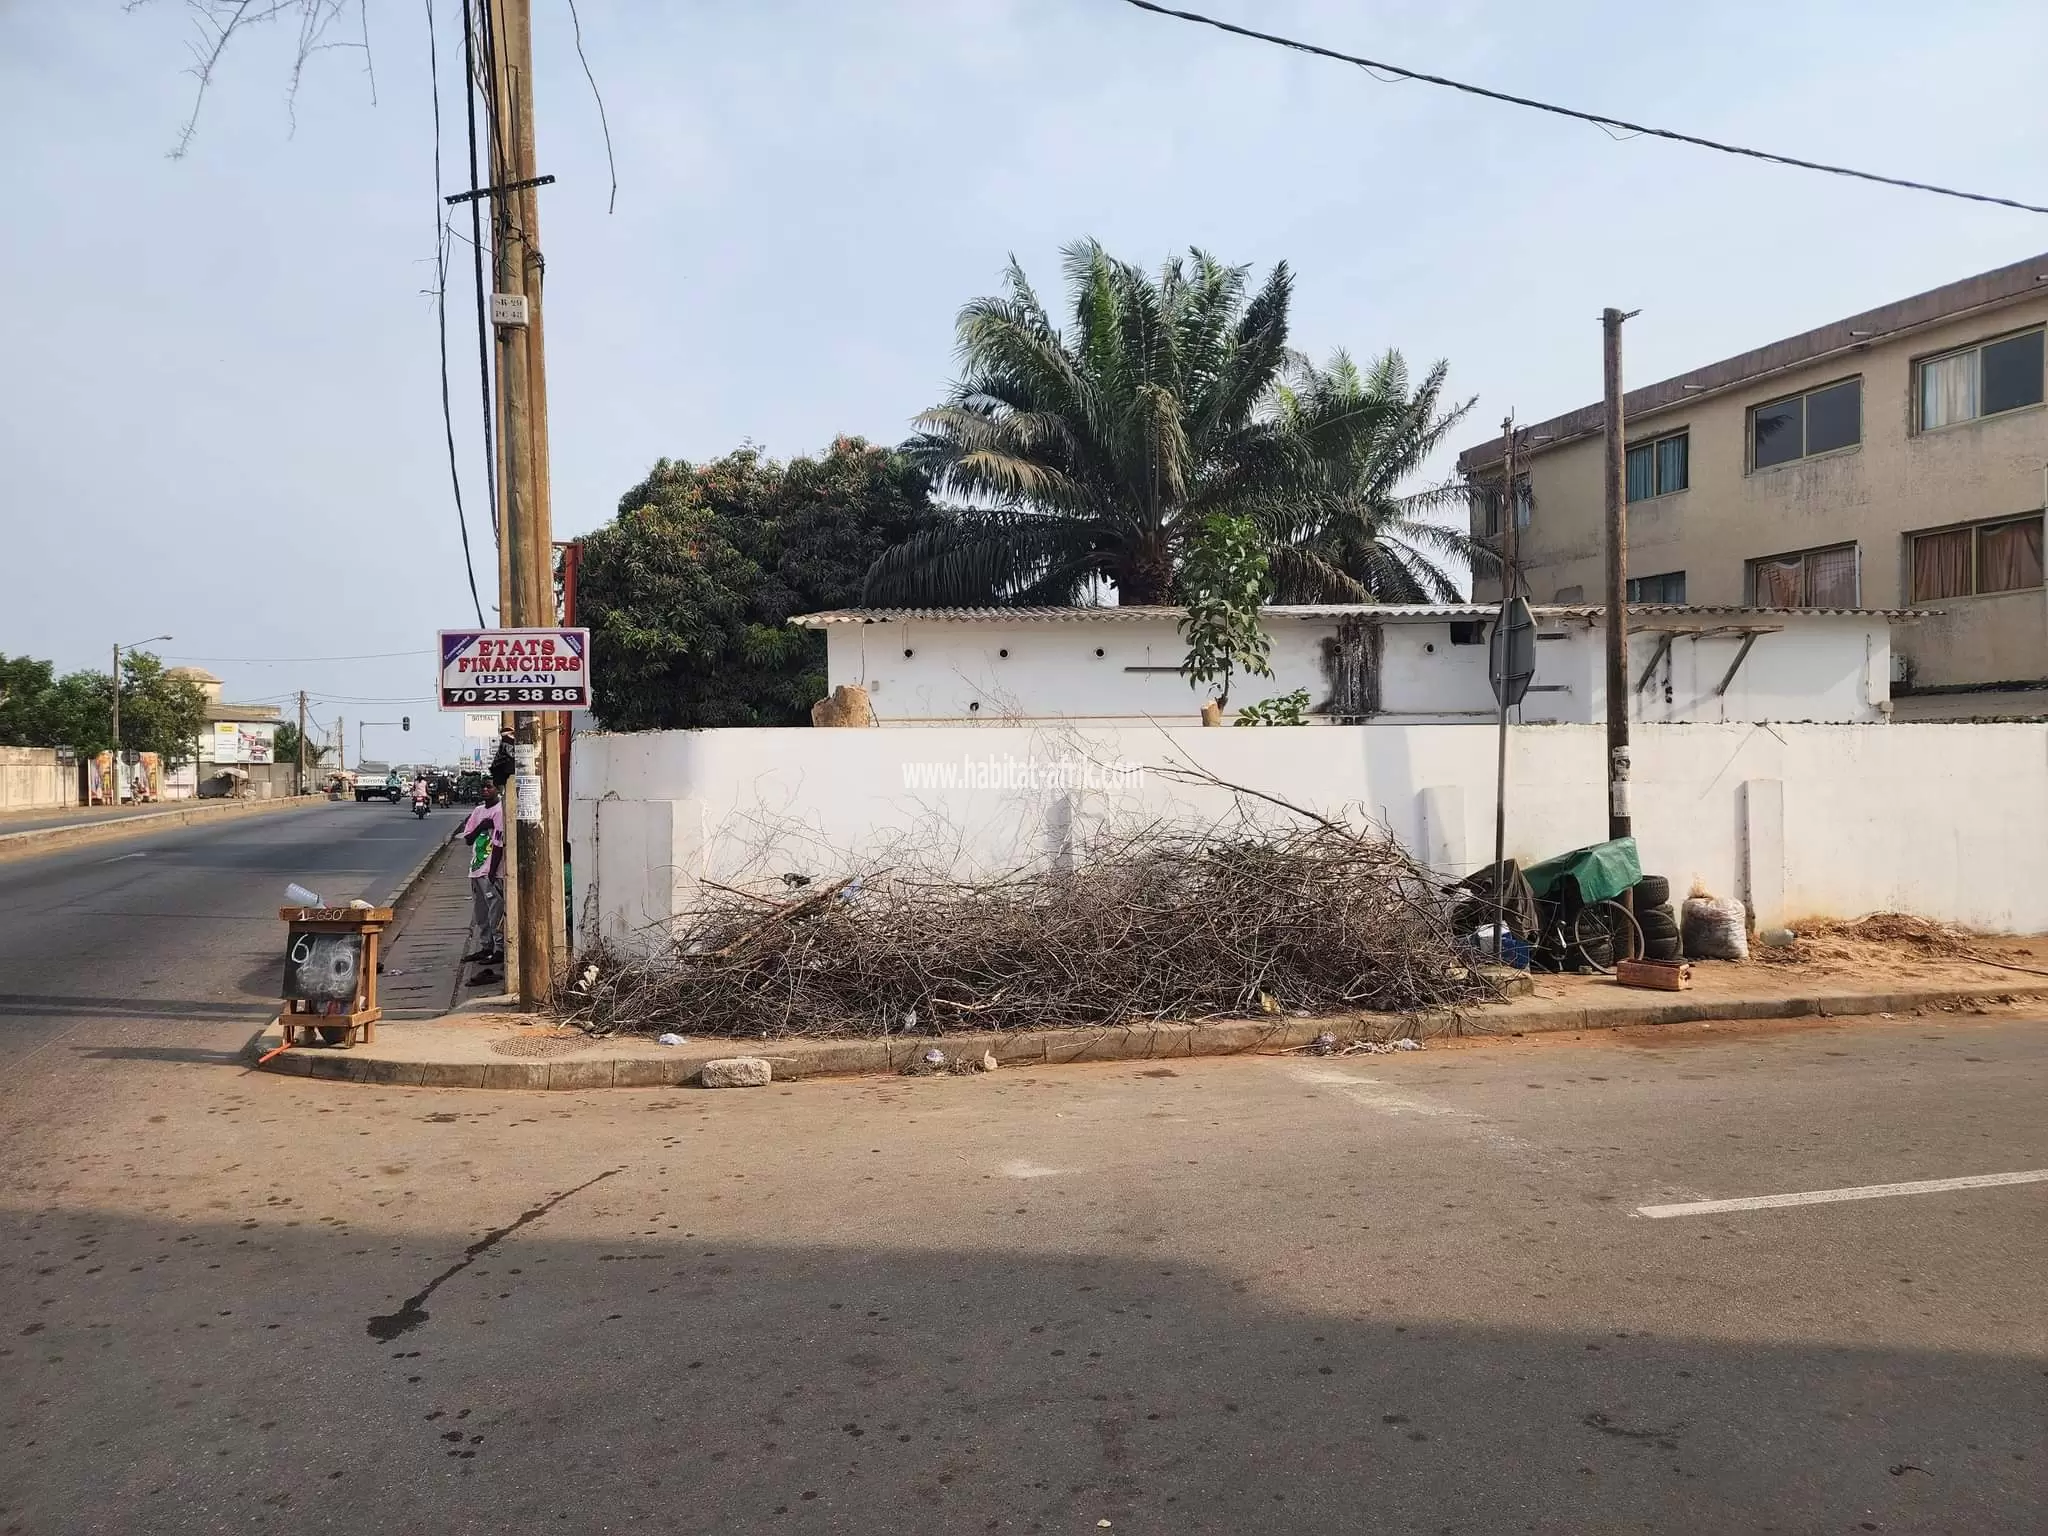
341, 740
1619, 822
299, 786
115, 757
526, 596
1500, 767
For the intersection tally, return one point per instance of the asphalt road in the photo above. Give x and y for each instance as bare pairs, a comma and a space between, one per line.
1388, 1294
137, 944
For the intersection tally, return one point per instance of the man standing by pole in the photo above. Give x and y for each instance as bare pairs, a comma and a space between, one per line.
1619, 821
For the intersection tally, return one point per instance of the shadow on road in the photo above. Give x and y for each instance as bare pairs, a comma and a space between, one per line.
188, 1055
61, 1005
682, 1384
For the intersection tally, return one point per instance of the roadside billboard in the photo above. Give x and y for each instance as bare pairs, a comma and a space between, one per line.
530, 669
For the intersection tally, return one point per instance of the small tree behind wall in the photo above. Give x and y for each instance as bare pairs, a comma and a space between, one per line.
1223, 582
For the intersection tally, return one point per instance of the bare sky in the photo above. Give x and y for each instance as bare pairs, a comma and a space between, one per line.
219, 392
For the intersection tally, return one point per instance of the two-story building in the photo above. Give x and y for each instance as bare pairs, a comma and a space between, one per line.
1895, 459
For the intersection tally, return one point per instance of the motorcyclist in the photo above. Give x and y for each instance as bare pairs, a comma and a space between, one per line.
419, 790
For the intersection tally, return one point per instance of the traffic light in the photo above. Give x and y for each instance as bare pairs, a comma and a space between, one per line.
405, 722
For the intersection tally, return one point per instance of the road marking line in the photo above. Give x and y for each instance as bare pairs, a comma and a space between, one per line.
119, 857
1830, 1196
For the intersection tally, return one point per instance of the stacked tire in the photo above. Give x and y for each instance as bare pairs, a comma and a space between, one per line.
1656, 918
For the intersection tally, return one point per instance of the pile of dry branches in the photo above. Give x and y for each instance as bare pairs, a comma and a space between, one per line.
1158, 924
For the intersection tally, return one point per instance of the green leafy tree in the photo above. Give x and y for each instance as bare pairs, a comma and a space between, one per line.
1223, 581
25, 688
285, 748
688, 592
1097, 452
161, 712
1280, 709
1350, 532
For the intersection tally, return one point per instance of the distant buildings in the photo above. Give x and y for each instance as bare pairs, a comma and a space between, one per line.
1358, 664
1898, 458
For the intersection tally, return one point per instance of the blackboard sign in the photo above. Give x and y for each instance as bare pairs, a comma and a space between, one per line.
323, 967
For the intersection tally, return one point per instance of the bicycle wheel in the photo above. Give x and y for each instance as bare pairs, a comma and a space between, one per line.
1604, 933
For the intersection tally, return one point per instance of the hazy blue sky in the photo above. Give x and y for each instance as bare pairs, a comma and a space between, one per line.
218, 383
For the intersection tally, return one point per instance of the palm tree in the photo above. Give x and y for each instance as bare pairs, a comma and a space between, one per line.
1353, 534
1097, 453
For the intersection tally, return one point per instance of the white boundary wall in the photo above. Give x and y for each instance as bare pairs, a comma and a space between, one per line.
31, 779
1948, 821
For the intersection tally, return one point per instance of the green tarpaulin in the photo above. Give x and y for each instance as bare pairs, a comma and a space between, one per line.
1602, 871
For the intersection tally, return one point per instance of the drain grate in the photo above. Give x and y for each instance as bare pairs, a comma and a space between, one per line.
534, 1048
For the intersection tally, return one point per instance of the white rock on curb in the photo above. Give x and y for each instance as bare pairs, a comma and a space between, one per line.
736, 1072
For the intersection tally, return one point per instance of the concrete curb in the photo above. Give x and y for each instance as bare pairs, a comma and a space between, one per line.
417, 873
16, 845
798, 1059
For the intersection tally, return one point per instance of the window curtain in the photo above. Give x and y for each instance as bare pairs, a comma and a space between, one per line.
2009, 558
1780, 583
1671, 465
1948, 390
1941, 565
1642, 480
1831, 578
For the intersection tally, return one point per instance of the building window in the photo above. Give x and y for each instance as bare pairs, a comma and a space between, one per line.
1984, 380
1667, 588
1489, 501
1659, 468
1972, 561
1812, 578
1819, 421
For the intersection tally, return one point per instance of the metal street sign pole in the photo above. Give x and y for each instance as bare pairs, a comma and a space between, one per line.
1511, 663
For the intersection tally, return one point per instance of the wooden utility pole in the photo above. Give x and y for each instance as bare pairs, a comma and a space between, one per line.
1619, 822
526, 562
300, 786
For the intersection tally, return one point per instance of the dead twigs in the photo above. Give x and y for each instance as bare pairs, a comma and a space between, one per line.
1163, 922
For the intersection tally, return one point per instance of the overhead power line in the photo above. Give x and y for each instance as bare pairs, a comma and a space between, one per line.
1597, 119
441, 311
270, 661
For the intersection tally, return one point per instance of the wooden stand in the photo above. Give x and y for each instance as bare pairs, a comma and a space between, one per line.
309, 1004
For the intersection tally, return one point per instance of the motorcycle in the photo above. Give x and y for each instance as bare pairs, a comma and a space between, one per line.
419, 807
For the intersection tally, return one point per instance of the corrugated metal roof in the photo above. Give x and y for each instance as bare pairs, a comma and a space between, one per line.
1311, 611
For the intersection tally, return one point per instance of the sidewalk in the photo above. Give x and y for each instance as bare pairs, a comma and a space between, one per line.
423, 967
480, 1048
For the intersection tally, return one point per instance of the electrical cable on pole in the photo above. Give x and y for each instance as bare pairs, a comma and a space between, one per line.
441, 311
470, 44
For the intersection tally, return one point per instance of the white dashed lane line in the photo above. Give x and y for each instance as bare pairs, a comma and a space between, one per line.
1831, 1196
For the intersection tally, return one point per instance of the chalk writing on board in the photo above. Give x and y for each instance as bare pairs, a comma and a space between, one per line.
323, 967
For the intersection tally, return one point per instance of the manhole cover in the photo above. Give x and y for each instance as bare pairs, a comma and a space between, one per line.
534, 1048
